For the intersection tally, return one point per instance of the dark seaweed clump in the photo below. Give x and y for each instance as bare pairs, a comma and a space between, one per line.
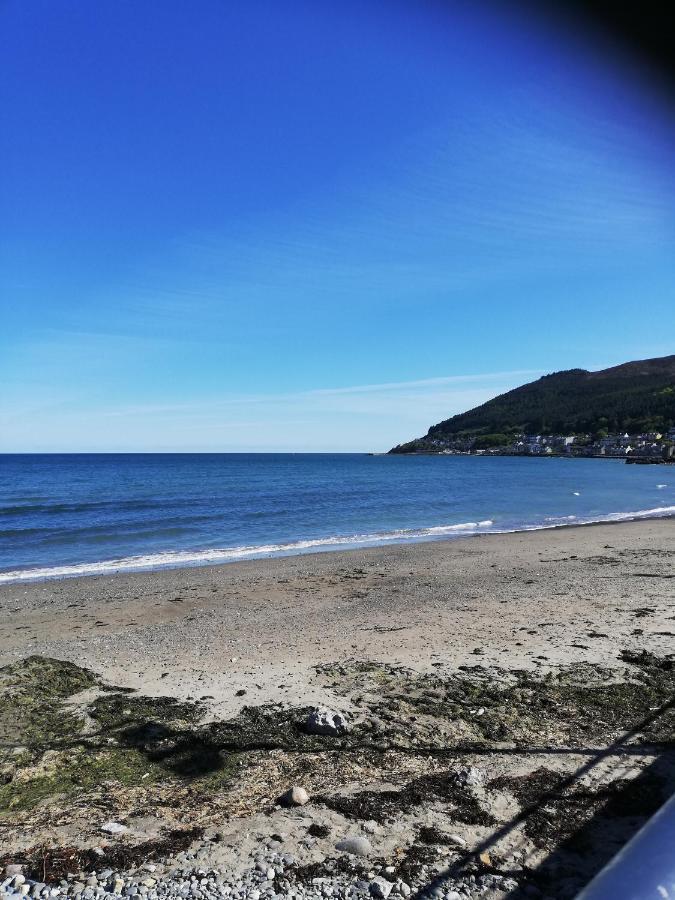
382, 806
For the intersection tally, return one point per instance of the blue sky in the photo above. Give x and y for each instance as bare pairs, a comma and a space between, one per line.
314, 226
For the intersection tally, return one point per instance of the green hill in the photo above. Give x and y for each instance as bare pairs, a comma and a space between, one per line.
634, 397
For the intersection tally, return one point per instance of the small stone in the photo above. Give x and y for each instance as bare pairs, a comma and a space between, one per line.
453, 895
471, 776
295, 796
117, 886
326, 721
404, 889
13, 869
380, 887
270, 874
355, 844
113, 828
456, 840
18, 880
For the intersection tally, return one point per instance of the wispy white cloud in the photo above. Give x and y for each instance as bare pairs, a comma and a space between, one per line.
350, 417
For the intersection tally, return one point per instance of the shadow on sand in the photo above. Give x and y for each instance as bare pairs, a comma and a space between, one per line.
583, 827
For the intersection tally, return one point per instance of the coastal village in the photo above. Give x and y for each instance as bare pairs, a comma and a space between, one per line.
653, 446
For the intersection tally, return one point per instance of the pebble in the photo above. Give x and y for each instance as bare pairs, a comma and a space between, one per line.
295, 796
113, 828
380, 888
456, 839
270, 876
471, 776
355, 844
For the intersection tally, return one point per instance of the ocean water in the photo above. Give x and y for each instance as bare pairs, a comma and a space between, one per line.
63, 515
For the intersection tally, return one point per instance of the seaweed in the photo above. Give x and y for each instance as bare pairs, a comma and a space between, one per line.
382, 806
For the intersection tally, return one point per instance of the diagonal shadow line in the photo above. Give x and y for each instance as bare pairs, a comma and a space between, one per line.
615, 748
643, 749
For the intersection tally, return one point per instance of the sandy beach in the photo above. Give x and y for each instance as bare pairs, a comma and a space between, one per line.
371, 634
537, 598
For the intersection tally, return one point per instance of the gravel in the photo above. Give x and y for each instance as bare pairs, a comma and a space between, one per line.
272, 876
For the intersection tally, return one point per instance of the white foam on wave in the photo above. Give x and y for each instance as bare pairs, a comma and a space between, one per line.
177, 558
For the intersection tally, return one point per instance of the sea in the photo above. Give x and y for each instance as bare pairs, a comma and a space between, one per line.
80, 514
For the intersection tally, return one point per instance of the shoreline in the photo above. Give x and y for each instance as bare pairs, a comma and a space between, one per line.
317, 546
473, 674
484, 584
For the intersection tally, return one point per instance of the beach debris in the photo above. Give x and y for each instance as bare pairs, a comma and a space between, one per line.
295, 796
113, 828
355, 844
326, 721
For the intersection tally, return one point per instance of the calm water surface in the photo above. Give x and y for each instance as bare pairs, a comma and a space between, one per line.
74, 514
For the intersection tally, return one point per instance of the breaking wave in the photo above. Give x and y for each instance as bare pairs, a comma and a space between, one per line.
185, 558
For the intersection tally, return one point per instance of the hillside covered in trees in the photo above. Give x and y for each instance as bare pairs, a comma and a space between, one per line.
634, 397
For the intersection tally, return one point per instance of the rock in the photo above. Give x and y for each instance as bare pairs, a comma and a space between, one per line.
380, 887
13, 869
456, 840
295, 796
471, 777
18, 880
404, 889
326, 721
453, 895
113, 828
355, 844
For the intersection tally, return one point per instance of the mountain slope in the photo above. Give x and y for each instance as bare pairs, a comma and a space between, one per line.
634, 397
